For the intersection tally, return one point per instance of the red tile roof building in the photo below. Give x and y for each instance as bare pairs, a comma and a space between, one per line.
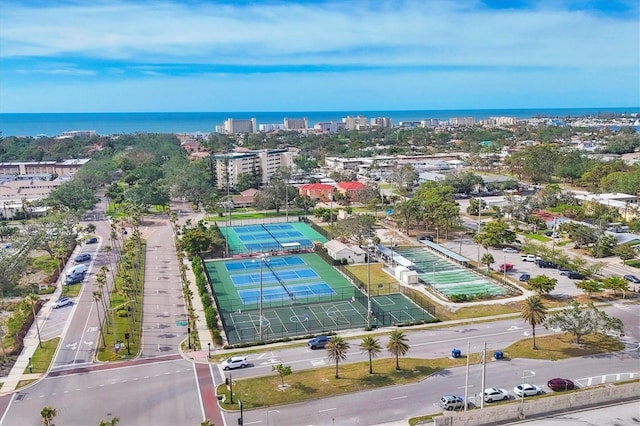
320, 191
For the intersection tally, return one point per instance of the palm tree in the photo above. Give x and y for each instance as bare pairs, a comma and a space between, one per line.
96, 297
32, 299
487, 259
48, 414
337, 351
372, 346
534, 312
397, 345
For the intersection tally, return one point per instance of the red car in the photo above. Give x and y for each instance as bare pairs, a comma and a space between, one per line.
505, 267
559, 384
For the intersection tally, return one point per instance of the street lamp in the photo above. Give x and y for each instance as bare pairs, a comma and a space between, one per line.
525, 374
369, 287
209, 344
261, 259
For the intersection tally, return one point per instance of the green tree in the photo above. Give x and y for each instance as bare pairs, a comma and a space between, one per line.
624, 251
73, 195
542, 284
283, 371
616, 284
534, 312
590, 286
359, 228
582, 320
494, 234
372, 347
487, 259
113, 422
476, 206
304, 202
397, 345
337, 351
48, 414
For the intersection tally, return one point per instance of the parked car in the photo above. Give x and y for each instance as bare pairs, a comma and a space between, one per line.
546, 264
566, 272
510, 250
563, 270
524, 277
632, 279
527, 389
83, 257
63, 301
451, 402
576, 276
318, 342
495, 394
505, 267
92, 240
530, 258
559, 384
234, 362
74, 279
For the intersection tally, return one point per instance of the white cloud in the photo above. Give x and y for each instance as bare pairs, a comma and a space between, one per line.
396, 33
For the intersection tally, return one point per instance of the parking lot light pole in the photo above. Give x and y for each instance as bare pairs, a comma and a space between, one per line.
524, 376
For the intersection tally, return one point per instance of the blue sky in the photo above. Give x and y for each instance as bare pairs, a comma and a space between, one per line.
110, 56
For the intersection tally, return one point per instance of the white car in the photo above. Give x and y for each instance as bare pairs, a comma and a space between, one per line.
510, 250
495, 394
63, 301
527, 389
234, 362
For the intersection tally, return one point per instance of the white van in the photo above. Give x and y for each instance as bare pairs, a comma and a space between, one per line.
78, 269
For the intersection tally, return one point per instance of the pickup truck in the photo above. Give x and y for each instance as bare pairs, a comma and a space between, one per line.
530, 258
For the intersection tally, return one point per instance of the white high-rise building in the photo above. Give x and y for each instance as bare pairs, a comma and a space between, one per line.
296, 123
262, 164
232, 125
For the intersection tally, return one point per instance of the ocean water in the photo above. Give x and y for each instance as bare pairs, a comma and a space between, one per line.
52, 124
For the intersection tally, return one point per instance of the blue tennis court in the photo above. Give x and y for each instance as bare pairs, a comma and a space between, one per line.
299, 291
275, 262
272, 277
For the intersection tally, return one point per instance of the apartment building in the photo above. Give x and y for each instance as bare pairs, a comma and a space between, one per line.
263, 163
384, 122
232, 126
462, 121
296, 123
330, 126
22, 170
354, 123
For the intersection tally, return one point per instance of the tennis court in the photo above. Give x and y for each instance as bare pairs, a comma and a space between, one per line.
272, 237
298, 295
448, 277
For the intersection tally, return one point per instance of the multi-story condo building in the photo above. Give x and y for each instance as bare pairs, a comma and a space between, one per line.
354, 123
381, 122
270, 127
330, 126
296, 123
232, 125
430, 122
37, 169
261, 164
462, 121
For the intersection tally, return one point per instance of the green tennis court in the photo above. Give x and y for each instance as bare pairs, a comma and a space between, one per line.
271, 237
449, 277
298, 295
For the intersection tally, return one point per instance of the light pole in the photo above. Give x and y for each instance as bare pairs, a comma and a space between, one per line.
524, 376
369, 287
261, 259
433, 275
479, 214
209, 344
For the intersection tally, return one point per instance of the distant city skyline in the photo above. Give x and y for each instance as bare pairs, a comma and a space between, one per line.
189, 56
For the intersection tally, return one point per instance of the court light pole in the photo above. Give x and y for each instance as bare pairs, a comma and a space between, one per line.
261, 259
524, 376
369, 287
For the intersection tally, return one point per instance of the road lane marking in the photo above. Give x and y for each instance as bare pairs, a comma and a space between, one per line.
327, 409
399, 397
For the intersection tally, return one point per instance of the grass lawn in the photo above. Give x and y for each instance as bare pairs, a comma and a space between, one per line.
44, 263
563, 346
42, 357
537, 237
378, 276
320, 383
71, 290
479, 311
633, 263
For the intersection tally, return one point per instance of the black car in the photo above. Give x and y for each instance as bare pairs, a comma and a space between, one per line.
576, 276
92, 240
632, 279
74, 279
318, 342
546, 264
83, 257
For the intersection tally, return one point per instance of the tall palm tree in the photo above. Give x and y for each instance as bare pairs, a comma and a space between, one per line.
397, 345
372, 346
96, 297
337, 351
534, 312
487, 259
48, 414
32, 299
